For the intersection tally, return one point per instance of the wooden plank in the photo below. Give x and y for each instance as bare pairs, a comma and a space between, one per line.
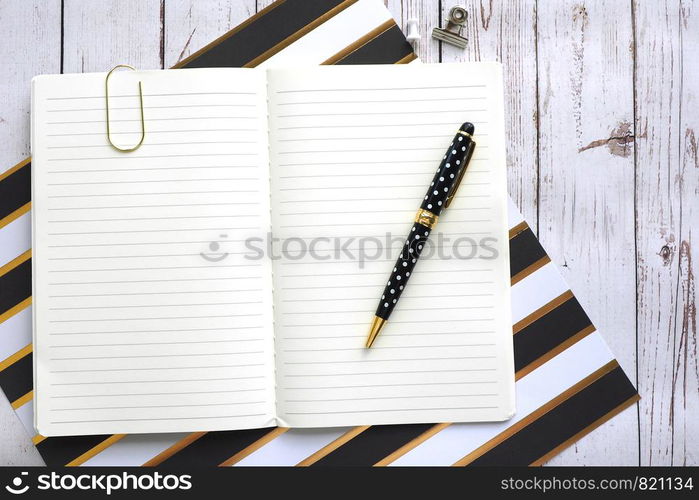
100, 35
30, 44
506, 32
586, 211
190, 25
667, 169
427, 13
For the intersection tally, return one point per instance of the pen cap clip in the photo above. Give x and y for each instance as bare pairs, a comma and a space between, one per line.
462, 171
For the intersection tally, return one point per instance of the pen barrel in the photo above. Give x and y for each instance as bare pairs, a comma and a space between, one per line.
448, 174
403, 269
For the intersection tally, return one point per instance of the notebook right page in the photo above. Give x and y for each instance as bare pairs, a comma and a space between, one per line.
352, 153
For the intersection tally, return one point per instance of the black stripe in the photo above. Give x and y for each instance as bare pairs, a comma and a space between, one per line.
16, 379
214, 447
562, 422
57, 451
525, 249
263, 34
15, 285
374, 444
387, 48
15, 191
549, 331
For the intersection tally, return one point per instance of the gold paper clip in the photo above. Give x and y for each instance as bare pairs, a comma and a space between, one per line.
140, 95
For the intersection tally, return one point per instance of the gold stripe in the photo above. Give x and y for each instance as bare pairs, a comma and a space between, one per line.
228, 34
326, 450
23, 400
426, 218
613, 413
530, 270
538, 413
291, 39
254, 446
464, 133
405, 60
180, 445
542, 311
15, 262
95, 450
15, 309
411, 444
14, 169
522, 226
38, 439
523, 372
15, 357
16, 214
383, 27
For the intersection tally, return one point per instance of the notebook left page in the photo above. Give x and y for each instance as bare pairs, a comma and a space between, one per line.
147, 315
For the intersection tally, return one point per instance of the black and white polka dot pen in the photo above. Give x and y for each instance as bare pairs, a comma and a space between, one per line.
440, 194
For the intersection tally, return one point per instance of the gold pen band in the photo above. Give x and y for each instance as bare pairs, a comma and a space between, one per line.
426, 218
464, 133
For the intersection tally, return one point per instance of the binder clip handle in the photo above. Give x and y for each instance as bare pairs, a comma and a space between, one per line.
451, 34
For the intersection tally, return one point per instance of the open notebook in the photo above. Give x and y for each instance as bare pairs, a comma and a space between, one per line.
223, 275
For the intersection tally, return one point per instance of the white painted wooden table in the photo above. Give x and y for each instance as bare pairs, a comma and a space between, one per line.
602, 116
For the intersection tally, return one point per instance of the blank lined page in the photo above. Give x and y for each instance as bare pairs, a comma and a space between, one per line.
148, 318
353, 151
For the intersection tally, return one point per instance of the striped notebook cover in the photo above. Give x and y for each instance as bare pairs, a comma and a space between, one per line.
567, 381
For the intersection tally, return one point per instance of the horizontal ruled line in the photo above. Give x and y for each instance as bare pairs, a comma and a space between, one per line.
390, 373
200, 405
84, 308
155, 419
140, 169
147, 268
159, 381
392, 410
151, 180
389, 385
170, 94
167, 342
407, 309
168, 119
158, 206
388, 397
363, 349
385, 113
158, 368
450, 99
150, 132
440, 87
455, 358
150, 319
150, 194
156, 293
168, 330
169, 106
142, 157
153, 281
386, 335
154, 393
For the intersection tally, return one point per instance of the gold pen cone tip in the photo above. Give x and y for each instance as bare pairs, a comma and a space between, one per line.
374, 331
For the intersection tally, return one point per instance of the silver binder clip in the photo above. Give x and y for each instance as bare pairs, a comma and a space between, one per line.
452, 33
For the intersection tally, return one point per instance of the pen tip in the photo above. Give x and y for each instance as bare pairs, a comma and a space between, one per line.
376, 326
468, 128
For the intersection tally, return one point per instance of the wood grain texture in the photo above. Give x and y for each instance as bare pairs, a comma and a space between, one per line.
506, 32
586, 211
100, 35
191, 25
30, 45
667, 178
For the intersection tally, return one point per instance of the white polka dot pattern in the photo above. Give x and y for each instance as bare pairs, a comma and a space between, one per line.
434, 201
